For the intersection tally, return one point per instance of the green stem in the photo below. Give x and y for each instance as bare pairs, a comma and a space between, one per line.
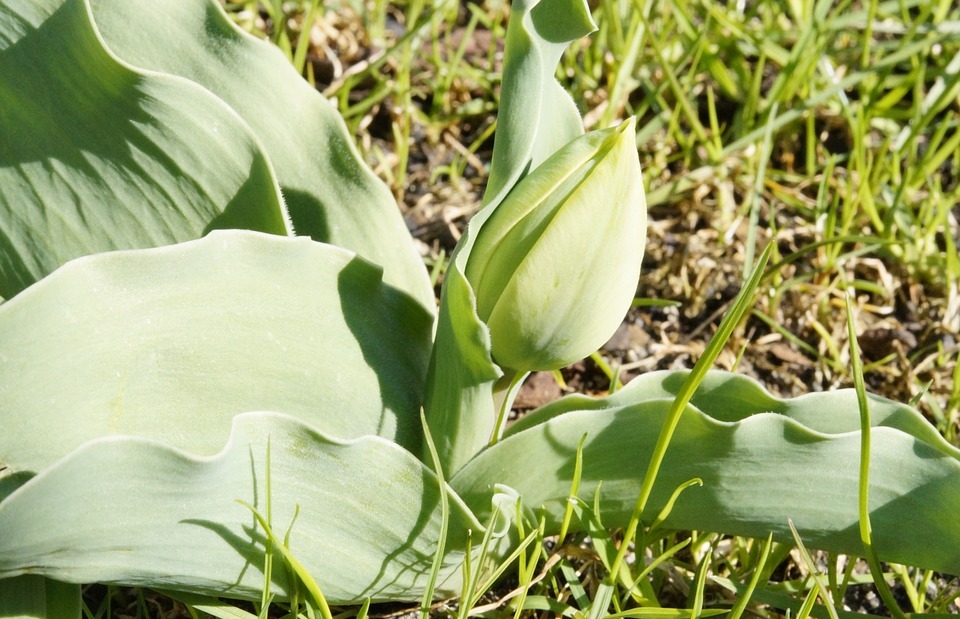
864, 490
504, 393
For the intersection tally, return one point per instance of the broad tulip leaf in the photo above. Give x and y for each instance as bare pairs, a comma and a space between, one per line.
171, 342
331, 194
96, 156
458, 403
536, 116
368, 523
732, 397
762, 460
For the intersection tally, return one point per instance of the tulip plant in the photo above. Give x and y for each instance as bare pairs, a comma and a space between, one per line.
217, 331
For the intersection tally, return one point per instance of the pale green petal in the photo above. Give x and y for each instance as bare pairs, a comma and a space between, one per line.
569, 277
516, 224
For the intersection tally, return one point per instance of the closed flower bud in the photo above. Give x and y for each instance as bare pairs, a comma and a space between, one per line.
555, 266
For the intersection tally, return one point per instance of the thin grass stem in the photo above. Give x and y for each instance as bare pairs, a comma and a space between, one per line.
864, 487
727, 325
427, 598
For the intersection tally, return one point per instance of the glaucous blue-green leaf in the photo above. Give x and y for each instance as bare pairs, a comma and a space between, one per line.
536, 115
172, 342
138, 511
762, 461
331, 195
458, 402
95, 155
731, 397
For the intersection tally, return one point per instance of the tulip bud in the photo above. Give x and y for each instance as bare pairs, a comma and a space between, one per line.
555, 266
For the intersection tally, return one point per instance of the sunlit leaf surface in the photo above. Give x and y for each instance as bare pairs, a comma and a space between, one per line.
171, 343
368, 519
95, 155
762, 460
